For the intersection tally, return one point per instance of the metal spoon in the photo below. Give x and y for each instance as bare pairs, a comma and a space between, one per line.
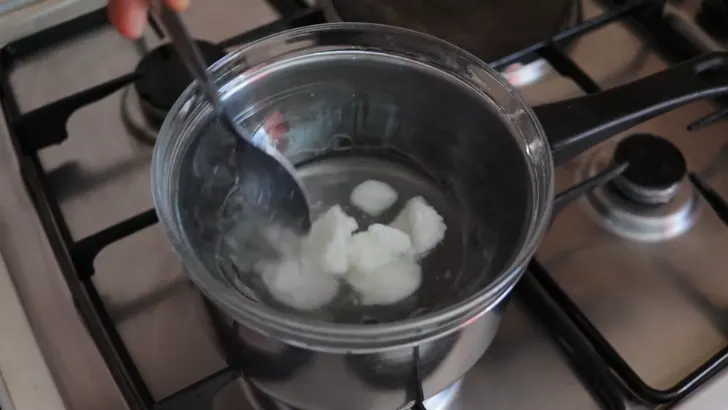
268, 175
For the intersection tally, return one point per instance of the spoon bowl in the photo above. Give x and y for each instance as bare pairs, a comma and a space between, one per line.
269, 190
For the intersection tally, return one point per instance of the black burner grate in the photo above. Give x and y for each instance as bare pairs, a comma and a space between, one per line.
589, 353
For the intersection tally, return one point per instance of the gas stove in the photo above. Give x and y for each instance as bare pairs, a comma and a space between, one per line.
623, 306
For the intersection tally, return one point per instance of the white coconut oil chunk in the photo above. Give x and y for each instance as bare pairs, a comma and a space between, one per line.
307, 277
326, 246
291, 281
373, 197
388, 284
377, 246
425, 227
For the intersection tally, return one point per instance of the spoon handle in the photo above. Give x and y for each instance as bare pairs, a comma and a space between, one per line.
188, 51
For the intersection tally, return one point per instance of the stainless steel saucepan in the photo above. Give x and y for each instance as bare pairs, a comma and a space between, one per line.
348, 101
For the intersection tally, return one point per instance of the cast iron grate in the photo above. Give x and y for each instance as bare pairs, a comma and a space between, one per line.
585, 348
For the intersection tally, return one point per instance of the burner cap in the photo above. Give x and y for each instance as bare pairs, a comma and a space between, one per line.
490, 29
613, 207
164, 78
656, 168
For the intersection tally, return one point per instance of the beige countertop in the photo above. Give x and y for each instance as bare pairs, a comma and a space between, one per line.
36, 15
25, 381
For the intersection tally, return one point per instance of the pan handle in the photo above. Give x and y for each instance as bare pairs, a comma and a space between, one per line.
575, 125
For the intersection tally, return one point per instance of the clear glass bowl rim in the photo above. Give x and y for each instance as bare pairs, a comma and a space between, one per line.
176, 134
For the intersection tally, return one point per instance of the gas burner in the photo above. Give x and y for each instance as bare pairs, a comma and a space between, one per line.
134, 120
478, 26
441, 401
164, 77
656, 169
652, 200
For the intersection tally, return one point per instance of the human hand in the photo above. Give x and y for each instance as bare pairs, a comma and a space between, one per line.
130, 16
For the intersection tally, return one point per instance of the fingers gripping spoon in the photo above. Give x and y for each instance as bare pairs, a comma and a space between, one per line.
268, 181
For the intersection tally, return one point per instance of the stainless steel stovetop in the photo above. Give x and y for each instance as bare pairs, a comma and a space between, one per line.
661, 305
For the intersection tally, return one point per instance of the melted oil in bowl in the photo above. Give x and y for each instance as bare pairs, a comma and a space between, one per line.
329, 181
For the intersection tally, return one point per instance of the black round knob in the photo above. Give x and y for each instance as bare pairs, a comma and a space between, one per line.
163, 77
655, 169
